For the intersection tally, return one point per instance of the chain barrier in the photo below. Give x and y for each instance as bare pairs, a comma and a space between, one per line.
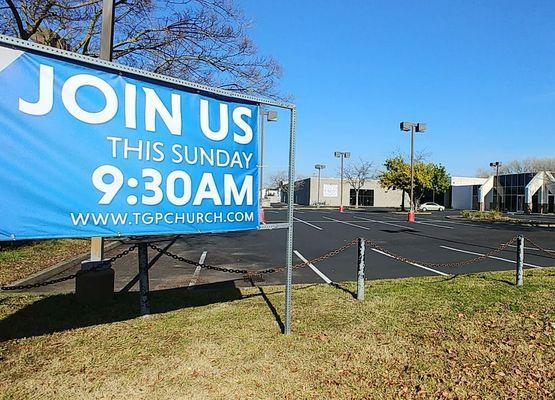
253, 274
550, 253
68, 277
499, 249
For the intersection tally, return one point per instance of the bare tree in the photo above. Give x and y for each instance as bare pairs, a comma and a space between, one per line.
357, 173
280, 181
203, 41
530, 164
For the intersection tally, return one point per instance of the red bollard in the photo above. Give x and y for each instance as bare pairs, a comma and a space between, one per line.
262, 216
411, 216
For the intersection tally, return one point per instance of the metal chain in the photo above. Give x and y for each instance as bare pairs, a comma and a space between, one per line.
248, 273
68, 277
455, 264
550, 253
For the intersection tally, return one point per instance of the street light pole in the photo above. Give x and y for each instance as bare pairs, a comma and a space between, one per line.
319, 167
412, 127
342, 155
496, 165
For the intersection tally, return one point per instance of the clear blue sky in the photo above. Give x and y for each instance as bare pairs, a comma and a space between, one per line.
480, 73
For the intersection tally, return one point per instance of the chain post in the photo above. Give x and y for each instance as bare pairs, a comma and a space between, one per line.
519, 259
360, 272
143, 279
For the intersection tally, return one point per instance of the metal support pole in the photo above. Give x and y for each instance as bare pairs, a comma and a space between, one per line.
318, 202
519, 259
412, 168
360, 271
497, 187
143, 279
106, 45
341, 201
261, 169
107, 32
289, 255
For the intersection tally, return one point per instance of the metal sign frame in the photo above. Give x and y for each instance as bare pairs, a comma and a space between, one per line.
200, 89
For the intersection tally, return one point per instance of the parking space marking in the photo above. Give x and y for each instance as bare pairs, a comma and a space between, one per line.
414, 264
461, 223
493, 257
530, 248
348, 223
316, 270
385, 223
194, 279
308, 223
436, 225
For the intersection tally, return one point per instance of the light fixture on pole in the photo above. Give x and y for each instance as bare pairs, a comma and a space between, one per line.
412, 127
319, 167
496, 165
270, 116
342, 155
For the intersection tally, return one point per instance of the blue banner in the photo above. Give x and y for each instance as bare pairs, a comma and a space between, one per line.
92, 152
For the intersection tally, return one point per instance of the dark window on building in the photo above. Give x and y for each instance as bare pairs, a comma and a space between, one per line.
365, 197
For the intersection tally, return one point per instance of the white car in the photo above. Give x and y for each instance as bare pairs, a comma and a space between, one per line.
429, 206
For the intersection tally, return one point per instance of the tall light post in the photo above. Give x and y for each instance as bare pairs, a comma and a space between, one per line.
270, 116
496, 165
342, 155
412, 127
319, 167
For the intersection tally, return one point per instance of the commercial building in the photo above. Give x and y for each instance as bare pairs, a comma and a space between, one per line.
531, 192
328, 193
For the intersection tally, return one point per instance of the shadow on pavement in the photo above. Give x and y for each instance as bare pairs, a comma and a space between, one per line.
61, 312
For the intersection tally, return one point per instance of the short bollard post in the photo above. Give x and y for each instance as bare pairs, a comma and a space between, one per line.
143, 279
360, 272
519, 259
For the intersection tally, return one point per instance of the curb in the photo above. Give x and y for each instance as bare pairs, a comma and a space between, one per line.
515, 222
60, 267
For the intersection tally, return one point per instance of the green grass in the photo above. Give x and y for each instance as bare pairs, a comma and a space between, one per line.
475, 336
22, 259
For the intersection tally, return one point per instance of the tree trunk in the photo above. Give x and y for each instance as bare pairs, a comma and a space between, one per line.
356, 198
434, 196
403, 201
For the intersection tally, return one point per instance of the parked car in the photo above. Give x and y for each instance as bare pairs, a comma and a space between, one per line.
430, 206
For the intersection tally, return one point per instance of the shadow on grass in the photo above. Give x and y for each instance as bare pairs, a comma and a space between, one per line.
61, 312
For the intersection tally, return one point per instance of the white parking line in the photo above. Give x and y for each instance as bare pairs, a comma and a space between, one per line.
461, 223
436, 225
308, 223
385, 223
495, 258
530, 248
348, 223
414, 264
316, 270
194, 279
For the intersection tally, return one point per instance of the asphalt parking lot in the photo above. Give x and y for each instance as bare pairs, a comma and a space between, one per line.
433, 238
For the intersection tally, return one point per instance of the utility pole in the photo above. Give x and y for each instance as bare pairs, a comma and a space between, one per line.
342, 155
106, 46
412, 127
319, 167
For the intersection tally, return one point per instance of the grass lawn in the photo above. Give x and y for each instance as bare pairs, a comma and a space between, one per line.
23, 259
475, 336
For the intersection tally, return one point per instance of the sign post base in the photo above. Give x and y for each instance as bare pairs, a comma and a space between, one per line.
96, 284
